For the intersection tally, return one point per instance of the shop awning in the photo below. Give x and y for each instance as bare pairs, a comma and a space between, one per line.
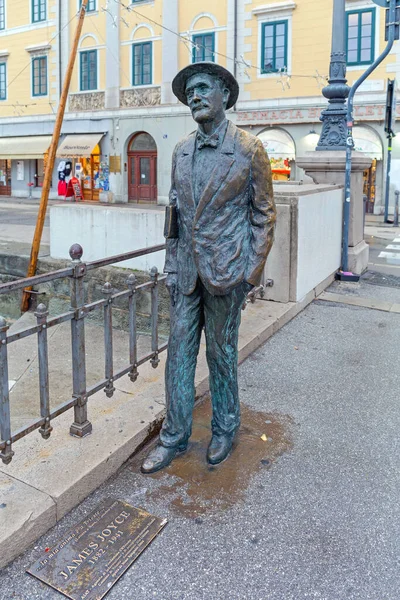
79, 145
24, 148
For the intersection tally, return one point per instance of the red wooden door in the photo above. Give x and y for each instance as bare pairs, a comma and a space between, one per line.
142, 176
5, 177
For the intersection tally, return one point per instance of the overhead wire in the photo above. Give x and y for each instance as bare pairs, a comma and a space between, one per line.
50, 40
241, 63
283, 76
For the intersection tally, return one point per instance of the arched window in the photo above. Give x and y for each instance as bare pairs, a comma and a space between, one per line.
142, 142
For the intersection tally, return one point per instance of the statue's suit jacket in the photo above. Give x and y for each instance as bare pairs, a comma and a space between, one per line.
226, 239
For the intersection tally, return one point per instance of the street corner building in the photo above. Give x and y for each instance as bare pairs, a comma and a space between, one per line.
123, 121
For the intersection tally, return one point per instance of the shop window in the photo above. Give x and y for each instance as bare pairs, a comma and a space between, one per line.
274, 49
89, 175
88, 60
3, 81
360, 36
91, 5
39, 11
142, 63
39, 76
204, 47
2, 14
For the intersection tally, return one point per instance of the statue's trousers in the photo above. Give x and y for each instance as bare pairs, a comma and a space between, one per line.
220, 316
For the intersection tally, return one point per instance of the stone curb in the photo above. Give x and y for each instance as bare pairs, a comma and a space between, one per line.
48, 479
361, 302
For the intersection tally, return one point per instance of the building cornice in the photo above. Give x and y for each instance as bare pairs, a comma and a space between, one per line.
276, 7
44, 47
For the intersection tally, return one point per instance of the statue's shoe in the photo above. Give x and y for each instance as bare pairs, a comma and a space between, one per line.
219, 449
160, 457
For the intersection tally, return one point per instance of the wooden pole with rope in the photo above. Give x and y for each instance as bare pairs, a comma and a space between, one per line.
51, 158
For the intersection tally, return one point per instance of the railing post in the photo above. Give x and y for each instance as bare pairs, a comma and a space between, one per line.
108, 340
396, 209
81, 426
131, 282
41, 315
155, 361
5, 418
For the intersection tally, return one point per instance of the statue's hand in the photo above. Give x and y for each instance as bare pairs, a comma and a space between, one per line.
172, 286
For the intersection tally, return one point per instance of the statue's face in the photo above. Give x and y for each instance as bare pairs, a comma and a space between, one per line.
206, 97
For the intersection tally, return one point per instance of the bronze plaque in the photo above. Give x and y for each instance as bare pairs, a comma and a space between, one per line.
115, 163
91, 558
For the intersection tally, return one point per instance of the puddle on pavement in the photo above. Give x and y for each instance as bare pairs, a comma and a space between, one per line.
194, 488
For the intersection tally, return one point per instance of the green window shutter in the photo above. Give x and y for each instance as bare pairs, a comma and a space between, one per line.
360, 37
88, 70
3, 81
142, 63
39, 10
39, 76
91, 5
274, 48
2, 14
203, 47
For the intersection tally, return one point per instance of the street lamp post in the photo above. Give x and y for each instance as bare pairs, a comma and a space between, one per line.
334, 123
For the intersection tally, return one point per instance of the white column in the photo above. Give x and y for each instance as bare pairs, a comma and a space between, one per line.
170, 43
64, 45
230, 44
113, 82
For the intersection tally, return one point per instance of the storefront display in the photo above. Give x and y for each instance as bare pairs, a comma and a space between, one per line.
83, 153
367, 141
281, 151
5, 177
369, 189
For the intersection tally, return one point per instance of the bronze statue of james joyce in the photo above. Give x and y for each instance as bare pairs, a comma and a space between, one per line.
219, 229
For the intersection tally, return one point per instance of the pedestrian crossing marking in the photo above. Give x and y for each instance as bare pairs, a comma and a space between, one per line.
393, 247
390, 255
397, 240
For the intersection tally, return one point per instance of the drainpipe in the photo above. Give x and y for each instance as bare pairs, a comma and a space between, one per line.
235, 40
59, 50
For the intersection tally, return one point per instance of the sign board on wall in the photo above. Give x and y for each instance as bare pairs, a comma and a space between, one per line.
367, 112
20, 170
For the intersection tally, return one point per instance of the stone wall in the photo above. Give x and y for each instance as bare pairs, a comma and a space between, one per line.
56, 294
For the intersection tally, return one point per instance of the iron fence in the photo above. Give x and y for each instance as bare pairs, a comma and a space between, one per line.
77, 314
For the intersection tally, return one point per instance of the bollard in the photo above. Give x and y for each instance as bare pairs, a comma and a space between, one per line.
396, 209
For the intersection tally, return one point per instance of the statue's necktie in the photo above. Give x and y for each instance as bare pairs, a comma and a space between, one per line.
207, 140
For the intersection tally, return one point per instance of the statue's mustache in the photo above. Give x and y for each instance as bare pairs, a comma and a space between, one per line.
201, 105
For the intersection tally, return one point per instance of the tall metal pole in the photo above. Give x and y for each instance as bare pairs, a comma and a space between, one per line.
388, 169
350, 142
51, 159
333, 135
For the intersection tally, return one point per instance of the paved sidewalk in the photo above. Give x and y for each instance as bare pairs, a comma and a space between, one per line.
311, 512
33, 495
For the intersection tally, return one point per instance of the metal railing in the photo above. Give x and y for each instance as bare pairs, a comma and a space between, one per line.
76, 315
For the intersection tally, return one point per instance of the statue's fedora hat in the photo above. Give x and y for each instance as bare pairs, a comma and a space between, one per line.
179, 83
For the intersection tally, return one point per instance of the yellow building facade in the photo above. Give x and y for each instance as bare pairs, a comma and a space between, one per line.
128, 54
